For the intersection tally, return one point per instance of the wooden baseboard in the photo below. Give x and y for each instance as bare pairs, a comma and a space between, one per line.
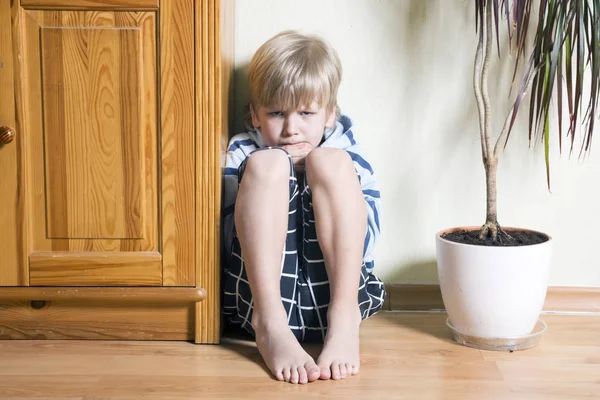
573, 299
409, 297
413, 297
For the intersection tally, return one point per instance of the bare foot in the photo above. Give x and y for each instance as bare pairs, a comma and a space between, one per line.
340, 356
282, 353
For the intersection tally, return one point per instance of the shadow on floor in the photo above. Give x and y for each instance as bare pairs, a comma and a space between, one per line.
434, 325
242, 343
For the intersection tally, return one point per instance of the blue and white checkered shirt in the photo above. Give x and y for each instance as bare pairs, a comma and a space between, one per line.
340, 137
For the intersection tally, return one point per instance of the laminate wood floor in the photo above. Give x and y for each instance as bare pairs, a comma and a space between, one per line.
403, 356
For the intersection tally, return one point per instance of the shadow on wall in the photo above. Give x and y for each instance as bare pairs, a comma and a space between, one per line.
241, 98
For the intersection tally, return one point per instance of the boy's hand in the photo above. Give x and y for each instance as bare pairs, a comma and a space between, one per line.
298, 152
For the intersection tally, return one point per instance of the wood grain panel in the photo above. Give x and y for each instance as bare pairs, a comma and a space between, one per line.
104, 294
10, 265
149, 110
95, 269
178, 142
24, 126
123, 47
91, 4
30, 119
96, 320
214, 63
91, 94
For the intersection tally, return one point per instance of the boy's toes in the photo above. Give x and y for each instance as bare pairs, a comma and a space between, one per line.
287, 374
325, 372
335, 371
312, 372
302, 375
343, 370
295, 375
278, 373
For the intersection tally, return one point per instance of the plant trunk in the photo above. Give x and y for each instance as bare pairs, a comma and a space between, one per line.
491, 228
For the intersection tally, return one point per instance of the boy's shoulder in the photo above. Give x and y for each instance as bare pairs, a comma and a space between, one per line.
245, 142
341, 136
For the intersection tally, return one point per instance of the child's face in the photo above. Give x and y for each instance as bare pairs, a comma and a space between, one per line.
284, 127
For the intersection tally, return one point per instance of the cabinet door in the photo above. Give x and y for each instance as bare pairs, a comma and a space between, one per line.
11, 268
89, 92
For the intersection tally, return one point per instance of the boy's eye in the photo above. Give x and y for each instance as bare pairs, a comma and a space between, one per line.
306, 113
276, 113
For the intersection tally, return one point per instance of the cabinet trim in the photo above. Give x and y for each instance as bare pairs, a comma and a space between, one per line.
91, 4
98, 320
10, 199
214, 67
113, 294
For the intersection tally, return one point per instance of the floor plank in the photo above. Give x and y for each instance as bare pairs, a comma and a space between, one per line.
403, 356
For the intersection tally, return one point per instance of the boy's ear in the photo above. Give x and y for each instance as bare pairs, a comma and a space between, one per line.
331, 119
255, 122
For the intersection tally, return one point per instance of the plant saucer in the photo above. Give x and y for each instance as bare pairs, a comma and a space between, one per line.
501, 344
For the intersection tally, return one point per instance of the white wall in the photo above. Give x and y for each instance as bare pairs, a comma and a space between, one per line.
407, 86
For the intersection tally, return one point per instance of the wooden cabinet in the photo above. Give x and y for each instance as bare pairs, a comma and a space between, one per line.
114, 117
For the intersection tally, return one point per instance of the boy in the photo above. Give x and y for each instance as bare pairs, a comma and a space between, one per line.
300, 216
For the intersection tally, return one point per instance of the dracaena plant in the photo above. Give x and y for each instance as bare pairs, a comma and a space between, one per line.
564, 48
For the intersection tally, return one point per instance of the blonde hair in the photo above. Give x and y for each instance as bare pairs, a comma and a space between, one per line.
292, 70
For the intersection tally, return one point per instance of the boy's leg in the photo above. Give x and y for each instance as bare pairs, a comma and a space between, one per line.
341, 222
261, 220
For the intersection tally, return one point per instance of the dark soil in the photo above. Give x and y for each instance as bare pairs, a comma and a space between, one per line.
519, 238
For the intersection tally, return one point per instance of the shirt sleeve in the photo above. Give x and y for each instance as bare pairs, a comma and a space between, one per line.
239, 148
372, 196
343, 138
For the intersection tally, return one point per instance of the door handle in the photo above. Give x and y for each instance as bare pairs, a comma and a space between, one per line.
7, 135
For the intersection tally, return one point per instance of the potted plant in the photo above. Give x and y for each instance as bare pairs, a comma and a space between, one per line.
493, 278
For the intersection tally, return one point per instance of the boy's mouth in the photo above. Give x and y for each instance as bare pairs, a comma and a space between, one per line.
289, 143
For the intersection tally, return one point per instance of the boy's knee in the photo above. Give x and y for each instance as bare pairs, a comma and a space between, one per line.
271, 164
328, 161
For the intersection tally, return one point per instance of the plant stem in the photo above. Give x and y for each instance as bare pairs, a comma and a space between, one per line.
491, 216
487, 121
477, 88
490, 160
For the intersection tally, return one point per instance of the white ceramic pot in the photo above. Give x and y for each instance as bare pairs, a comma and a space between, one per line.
493, 292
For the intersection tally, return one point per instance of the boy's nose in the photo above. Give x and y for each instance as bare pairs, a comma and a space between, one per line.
291, 126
